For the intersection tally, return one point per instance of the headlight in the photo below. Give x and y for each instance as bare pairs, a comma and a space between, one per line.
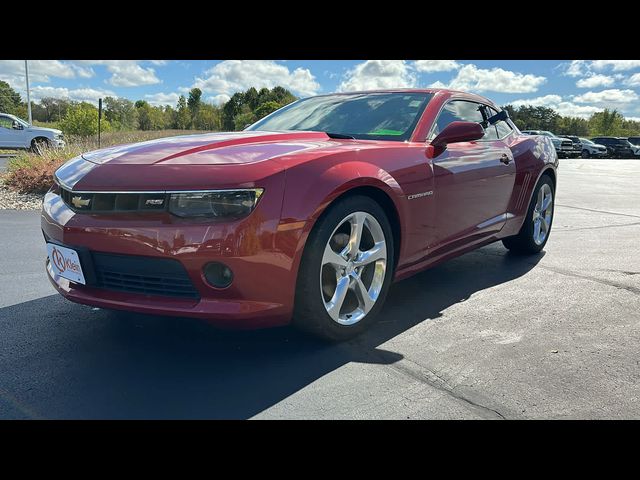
218, 204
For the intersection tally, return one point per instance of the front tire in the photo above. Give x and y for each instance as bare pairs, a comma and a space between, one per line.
535, 230
38, 145
346, 270
585, 153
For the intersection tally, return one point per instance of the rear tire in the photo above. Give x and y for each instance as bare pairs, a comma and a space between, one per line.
340, 266
530, 238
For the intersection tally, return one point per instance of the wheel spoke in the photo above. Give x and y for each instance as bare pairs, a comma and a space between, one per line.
536, 229
544, 228
365, 300
378, 252
333, 258
539, 201
546, 202
335, 304
357, 224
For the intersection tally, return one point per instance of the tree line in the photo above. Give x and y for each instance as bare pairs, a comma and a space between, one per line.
608, 122
190, 112
244, 108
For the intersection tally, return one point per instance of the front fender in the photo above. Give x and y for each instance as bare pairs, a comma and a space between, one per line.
308, 194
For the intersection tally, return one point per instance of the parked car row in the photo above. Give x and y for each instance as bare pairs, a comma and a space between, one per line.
598, 147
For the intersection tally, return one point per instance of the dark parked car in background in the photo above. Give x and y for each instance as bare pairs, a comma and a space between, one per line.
618, 147
634, 141
592, 150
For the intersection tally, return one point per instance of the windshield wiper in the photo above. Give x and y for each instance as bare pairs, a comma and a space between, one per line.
339, 135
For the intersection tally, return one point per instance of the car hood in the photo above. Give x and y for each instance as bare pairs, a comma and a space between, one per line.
53, 131
216, 160
210, 149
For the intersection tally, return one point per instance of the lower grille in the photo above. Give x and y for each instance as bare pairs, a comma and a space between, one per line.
142, 275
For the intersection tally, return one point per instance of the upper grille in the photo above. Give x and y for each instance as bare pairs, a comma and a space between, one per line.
113, 202
143, 275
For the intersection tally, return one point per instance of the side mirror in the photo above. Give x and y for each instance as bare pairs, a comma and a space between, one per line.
457, 132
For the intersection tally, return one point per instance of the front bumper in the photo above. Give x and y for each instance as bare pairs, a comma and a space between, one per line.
58, 143
263, 288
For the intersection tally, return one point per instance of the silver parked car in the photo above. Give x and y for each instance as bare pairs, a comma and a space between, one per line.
592, 150
15, 134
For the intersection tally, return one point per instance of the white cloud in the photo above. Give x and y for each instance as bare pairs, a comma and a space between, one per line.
159, 63
576, 68
606, 97
231, 76
378, 74
563, 107
438, 84
633, 80
545, 101
430, 66
124, 73
616, 65
596, 80
635, 119
472, 78
79, 94
162, 98
218, 99
13, 71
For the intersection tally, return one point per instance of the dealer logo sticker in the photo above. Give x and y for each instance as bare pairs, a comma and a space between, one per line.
65, 263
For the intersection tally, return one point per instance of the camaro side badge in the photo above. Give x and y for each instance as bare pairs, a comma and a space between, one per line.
154, 201
419, 195
79, 202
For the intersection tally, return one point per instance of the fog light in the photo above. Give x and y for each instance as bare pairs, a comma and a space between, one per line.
218, 274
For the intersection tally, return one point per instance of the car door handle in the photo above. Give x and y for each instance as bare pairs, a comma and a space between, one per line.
505, 159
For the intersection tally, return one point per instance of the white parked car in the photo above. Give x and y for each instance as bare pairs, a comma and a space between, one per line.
15, 133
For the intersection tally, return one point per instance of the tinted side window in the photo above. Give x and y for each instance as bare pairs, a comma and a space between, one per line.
457, 111
6, 122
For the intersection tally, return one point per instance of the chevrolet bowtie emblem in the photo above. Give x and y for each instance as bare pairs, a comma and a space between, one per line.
79, 202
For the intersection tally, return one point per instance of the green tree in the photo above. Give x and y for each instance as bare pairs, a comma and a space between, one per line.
183, 117
82, 119
243, 119
230, 109
9, 99
121, 113
266, 108
194, 103
209, 118
608, 122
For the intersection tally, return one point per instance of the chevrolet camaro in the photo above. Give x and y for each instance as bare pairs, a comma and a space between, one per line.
305, 217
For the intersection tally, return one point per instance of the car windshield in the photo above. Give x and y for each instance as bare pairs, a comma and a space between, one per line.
367, 116
588, 142
19, 120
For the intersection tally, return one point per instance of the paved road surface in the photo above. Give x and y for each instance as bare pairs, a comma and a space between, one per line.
488, 335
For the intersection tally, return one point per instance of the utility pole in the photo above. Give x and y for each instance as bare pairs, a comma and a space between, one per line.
26, 71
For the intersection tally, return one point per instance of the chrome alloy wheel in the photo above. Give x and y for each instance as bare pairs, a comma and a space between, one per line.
542, 214
353, 268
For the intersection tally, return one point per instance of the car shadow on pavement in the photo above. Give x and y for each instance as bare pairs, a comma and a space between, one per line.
79, 362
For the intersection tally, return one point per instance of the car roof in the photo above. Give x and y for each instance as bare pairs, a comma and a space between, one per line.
442, 91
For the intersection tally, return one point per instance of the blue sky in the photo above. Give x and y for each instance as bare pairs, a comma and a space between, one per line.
578, 87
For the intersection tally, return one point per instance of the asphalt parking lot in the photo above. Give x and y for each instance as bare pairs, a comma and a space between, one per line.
488, 335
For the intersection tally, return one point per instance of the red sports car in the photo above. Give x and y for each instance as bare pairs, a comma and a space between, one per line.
306, 216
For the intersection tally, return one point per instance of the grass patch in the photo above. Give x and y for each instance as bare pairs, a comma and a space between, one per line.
30, 172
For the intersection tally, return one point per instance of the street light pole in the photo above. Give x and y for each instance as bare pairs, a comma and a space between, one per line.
26, 71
